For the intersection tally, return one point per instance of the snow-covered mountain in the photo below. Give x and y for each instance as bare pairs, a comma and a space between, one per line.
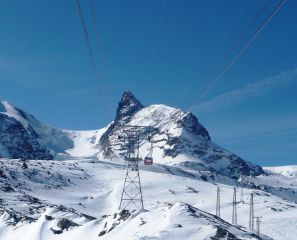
71, 187
23, 136
179, 139
18, 138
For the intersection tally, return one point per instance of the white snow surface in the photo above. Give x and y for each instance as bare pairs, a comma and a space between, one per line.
177, 205
85, 143
288, 171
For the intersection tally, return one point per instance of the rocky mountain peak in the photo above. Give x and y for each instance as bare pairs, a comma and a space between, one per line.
190, 122
128, 105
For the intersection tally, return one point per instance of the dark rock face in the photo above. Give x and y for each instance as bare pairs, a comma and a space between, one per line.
48, 218
116, 220
128, 106
241, 166
191, 124
23, 136
65, 224
223, 234
19, 141
56, 231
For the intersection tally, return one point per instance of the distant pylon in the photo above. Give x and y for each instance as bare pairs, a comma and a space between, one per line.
251, 222
218, 207
258, 222
241, 195
234, 212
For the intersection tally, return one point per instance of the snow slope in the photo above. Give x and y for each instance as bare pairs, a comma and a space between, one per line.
287, 171
36, 200
85, 143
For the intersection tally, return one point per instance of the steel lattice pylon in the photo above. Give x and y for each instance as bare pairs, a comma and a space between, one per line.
258, 222
131, 197
234, 211
218, 206
251, 222
132, 192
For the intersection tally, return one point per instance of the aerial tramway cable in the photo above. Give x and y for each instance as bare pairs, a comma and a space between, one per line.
99, 46
97, 38
215, 49
236, 57
248, 28
91, 53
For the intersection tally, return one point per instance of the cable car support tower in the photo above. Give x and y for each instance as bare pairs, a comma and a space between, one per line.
133, 137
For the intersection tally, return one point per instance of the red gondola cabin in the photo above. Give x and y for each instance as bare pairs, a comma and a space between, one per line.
148, 161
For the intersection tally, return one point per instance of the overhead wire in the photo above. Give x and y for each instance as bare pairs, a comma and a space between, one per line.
233, 60
97, 37
91, 53
237, 56
248, 28
215, 49
99, 45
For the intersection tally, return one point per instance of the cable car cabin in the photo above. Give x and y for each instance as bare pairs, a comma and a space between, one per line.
148, 161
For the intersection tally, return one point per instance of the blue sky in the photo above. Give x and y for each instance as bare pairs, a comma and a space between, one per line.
164, 51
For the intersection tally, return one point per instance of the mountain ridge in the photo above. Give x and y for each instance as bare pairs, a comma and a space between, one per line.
180, 139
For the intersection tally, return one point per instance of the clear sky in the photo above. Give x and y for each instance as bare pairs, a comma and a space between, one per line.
164, 51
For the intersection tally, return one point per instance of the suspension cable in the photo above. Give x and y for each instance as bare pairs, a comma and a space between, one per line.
236, 57
260, 12
216, 48
99, 46
90, 52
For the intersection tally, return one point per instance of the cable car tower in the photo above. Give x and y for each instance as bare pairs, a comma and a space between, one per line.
134, 136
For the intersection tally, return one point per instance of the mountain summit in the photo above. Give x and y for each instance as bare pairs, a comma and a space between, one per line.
128, 106
180, 140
